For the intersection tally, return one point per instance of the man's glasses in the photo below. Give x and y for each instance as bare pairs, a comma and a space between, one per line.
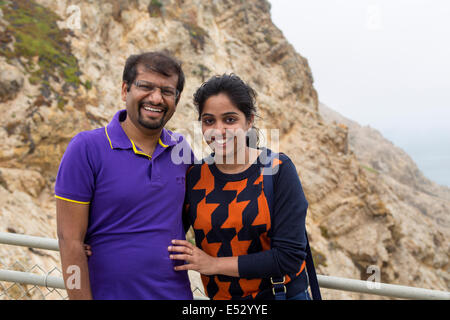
148, 87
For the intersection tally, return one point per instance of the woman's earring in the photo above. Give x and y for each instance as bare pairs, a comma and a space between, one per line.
252, 138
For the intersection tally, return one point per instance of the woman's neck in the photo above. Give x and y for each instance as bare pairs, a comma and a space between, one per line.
237, 165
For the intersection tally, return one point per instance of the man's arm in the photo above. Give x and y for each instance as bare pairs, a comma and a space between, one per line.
72, 222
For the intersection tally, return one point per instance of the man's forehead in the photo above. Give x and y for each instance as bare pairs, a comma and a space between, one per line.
157, 78
145, 70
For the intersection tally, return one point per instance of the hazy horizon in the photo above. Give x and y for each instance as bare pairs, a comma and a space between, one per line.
381, 63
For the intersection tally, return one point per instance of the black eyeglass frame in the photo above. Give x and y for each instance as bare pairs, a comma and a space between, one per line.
138, 84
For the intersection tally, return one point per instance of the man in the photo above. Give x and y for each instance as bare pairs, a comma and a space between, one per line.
119, 191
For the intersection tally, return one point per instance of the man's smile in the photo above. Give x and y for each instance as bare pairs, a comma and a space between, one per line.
152, 110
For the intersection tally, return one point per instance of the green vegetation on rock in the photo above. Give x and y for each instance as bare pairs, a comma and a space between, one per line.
154, 8
40, 45
370, 169
198, 35
319, 258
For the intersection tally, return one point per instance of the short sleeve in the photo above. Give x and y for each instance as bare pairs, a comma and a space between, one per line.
75, 178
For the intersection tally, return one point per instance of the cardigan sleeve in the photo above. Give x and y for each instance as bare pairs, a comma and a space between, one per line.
287, 233
185, 213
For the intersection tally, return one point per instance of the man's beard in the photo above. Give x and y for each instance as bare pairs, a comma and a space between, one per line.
152, 125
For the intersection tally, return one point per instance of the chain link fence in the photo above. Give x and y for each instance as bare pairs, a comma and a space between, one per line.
17, 291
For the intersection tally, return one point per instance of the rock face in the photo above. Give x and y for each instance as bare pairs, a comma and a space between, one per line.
419, 207
358, 217
11, 82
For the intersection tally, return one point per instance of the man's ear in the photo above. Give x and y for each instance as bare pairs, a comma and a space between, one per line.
124, 91
177, 99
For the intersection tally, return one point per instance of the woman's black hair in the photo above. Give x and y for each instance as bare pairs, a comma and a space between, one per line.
157, 61
239, 92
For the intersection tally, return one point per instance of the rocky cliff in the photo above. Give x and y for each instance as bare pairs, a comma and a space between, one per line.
61, 65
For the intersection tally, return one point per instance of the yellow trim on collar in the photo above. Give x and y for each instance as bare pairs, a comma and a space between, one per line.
162, 144
136, 151
74, 201
107, 136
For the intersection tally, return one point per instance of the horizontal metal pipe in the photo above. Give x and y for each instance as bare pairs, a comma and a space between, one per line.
381, 289
28, 241
31, 278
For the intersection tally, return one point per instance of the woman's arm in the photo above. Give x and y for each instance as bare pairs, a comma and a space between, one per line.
287, 233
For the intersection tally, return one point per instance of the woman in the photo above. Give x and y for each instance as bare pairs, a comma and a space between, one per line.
243, 245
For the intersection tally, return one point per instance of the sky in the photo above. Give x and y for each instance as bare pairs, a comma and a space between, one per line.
382, 63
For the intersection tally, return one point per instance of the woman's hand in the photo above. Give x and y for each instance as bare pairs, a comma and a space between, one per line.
196, 258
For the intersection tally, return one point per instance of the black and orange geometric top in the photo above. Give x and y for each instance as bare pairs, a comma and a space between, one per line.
230, 216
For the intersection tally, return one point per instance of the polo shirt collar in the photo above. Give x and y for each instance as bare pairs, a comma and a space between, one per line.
118, 139
167, 139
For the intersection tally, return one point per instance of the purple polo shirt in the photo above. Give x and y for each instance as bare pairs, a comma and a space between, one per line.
135, 206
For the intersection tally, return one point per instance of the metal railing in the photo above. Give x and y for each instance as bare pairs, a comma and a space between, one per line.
328, 282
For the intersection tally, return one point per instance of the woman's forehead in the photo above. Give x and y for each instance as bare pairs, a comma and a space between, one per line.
220, 104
